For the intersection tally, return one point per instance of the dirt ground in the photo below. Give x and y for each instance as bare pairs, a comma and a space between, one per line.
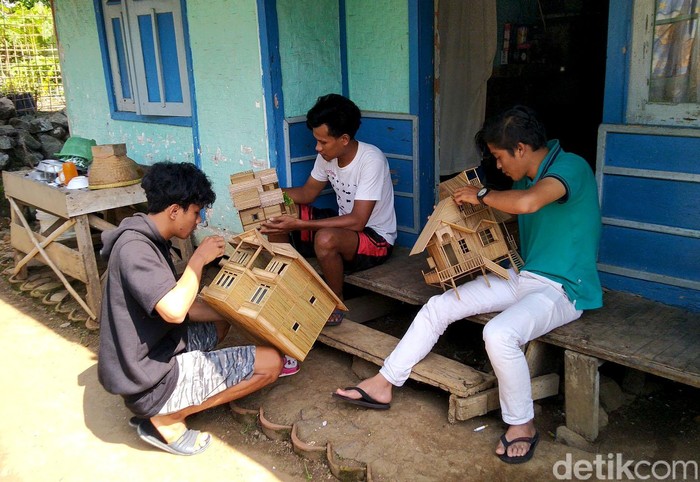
59, 424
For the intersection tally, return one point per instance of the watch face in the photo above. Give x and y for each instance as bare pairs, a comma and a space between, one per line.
482, 191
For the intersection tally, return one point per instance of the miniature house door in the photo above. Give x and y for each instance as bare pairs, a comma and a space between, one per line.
379, 59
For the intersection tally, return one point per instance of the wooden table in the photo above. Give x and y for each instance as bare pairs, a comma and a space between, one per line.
75, 209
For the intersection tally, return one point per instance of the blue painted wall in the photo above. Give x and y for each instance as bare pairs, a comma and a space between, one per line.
650, 179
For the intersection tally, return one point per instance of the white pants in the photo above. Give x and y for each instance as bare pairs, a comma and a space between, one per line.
529, 305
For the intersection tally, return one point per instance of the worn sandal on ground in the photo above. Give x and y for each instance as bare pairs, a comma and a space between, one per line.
185, 445
366, 401
336, 318
523, 458
290, 367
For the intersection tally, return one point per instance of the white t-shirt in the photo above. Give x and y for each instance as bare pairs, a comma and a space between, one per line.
366, 178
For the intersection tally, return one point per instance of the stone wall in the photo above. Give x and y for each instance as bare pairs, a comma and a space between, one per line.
26, 139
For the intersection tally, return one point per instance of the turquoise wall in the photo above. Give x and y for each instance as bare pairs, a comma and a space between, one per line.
378, 56
309, 52
227, 75
376, 47
230, 105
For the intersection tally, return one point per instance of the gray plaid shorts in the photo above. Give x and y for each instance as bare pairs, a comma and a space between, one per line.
203, 371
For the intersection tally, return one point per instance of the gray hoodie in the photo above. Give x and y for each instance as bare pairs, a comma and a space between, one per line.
137, 347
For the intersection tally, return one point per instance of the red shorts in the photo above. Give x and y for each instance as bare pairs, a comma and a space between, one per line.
372, 249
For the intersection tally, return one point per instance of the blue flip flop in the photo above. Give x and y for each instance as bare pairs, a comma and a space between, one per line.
336, 318
185, 445
522, 458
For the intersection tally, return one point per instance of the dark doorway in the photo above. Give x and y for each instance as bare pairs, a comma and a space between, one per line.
555, 63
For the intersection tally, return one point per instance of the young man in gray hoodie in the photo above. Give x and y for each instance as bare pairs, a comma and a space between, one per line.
157, 338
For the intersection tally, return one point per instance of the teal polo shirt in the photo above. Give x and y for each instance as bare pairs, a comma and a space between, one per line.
560, 240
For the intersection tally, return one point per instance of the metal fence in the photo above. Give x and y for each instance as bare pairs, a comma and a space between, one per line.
30, 73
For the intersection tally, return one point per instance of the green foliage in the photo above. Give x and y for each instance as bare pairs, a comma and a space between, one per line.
27, 4
28, 48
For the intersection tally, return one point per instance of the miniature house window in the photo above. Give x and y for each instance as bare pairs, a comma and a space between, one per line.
486, 237
259, 294
255, 216
463, 246
312, 300
226, 279
296, 326
276, 267
241, 257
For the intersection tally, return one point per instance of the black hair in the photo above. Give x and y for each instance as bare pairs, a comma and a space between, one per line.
339, 113
515, 125
182, 183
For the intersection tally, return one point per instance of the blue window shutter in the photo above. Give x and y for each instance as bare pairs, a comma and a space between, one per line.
146, 46
120, 49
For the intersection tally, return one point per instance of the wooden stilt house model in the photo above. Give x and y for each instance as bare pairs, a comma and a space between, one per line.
273, 293
257, 197
464, 240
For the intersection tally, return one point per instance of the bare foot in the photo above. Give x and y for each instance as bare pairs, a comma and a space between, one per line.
173, 431
376, 387
518, 449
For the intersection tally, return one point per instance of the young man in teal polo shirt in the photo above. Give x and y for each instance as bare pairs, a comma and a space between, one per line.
556, 200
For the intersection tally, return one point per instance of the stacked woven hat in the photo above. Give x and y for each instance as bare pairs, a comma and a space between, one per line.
112, 168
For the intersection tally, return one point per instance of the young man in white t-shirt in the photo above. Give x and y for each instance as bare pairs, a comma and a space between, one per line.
361, 234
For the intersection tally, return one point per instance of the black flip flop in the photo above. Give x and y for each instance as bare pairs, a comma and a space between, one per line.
522, 458
185, 445
134, 422
366, 401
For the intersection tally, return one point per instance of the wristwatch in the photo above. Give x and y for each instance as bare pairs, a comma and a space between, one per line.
482, 194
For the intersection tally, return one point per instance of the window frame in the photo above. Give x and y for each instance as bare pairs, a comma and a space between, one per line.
259, 295
132, 109
639, 109
487, 237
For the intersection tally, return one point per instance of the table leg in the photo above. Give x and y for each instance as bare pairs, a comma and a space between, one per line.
92, 284
18, 255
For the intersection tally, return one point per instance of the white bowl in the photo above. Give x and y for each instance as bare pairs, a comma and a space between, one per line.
78, 182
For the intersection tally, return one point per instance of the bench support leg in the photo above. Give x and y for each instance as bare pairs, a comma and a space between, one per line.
582, 388
464, 408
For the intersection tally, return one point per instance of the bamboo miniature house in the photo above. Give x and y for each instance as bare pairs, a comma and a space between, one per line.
464, 240
257, 197
273, 293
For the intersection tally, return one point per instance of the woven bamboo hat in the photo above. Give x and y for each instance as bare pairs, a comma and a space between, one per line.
112, 168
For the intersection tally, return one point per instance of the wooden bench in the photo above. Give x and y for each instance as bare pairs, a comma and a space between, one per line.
629, 330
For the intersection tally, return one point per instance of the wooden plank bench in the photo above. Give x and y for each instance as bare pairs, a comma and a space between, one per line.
629, 330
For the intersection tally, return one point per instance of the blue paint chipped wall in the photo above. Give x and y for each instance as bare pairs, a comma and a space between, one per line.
226, 73
229, 125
